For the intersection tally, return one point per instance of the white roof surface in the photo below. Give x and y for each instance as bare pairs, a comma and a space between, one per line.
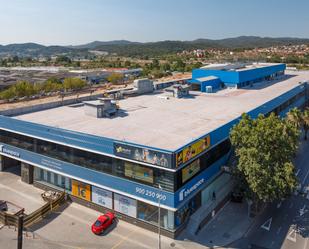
167, 123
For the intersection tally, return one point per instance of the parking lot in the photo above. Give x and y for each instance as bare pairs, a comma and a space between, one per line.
69, 227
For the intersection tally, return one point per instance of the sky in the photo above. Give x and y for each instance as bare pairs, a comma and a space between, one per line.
73, 22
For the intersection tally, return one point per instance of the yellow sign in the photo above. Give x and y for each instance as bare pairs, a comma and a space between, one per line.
193, 150
81, 190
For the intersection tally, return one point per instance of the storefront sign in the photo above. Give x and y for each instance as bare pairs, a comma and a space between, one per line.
143, 155
81, 190
125, 205
184, 193
193, 150
9, 152
102, 197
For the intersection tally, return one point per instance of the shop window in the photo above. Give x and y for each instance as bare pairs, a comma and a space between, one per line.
187, 210
52, 179
149, 213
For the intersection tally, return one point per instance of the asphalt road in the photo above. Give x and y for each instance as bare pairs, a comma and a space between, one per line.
284, 224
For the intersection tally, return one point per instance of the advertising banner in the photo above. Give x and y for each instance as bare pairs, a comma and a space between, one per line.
125, 205
193, 150
102, 197
143, 155
81, 190
190, 170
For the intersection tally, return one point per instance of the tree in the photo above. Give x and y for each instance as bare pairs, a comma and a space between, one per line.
265, 148
19, 90
166, 67
73, 84
294, 116
115, 77
127, 64
305, 118
62, 59
179, 66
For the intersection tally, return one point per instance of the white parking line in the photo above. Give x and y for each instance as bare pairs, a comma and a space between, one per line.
292, 235
305, 177
297, 172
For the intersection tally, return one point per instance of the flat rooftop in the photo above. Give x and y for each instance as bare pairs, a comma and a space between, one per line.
238, 67
168, 123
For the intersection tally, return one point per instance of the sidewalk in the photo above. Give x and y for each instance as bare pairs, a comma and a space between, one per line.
230, 224
12, 189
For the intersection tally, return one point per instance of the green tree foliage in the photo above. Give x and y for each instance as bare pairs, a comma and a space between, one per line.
27, 89
265, 148
62, 59
51, 85
294, 117
299, 119
115, 78
179, 66
305, 117
73, 84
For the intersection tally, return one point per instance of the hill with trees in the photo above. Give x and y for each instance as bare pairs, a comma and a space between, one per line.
128, 48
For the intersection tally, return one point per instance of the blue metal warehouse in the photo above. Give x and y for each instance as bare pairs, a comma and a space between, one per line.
238, 75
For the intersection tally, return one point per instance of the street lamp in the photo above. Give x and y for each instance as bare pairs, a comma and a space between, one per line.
159, 214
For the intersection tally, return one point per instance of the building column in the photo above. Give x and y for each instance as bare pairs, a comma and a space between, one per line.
1, 163
27, 173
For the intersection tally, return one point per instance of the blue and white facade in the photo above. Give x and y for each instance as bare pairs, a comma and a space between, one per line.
131, 178
237, 76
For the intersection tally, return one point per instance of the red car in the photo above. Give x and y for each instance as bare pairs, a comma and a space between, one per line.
103, 222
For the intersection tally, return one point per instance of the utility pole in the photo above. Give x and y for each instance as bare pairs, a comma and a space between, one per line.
159, 220
20, 232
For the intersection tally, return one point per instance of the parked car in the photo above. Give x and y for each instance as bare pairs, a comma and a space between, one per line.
103, 222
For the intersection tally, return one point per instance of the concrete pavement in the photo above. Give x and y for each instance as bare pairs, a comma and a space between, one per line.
230, 224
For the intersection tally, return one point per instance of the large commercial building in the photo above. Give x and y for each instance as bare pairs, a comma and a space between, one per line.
149, 149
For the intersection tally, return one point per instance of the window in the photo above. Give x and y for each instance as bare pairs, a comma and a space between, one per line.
133, 171
138, 172
187, 210
149, 213
53, 179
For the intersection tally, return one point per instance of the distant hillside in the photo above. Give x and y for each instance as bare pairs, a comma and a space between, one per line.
256, 41
128, 48
95, 44
35, 50
163, 47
